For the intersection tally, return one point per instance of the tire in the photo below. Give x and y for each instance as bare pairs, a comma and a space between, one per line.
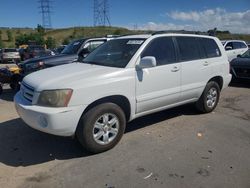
94, 134
1, 89
14, 85
209, 98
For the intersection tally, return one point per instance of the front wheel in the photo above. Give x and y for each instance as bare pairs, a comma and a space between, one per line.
209, 98
101, 128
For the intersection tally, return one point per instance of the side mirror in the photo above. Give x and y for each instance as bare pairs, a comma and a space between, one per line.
228, 48
147, 62
239, 55
83, 53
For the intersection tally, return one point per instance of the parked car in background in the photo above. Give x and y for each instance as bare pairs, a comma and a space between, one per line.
10, 55
124, 79
34, 51
234, 48
59, 49
68, 55
0, 54
240, 66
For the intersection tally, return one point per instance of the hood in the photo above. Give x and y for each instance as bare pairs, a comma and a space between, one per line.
57, 59
68, 76
241, 62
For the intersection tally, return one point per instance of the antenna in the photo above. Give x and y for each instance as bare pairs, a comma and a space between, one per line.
45, 10
101, 13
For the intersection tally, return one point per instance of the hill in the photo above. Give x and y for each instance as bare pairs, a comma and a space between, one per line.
61, 34
68, 34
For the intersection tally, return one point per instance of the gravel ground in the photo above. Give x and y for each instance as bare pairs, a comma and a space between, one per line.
173, 148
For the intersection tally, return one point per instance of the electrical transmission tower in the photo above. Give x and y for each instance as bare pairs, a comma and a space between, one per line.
45, 10
101, 13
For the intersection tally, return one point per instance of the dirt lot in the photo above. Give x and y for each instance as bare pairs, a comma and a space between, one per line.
173, 148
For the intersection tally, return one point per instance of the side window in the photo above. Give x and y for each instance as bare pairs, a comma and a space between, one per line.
211, 48
229, 46
236, 45
162, 49
243, 45
189, 48
92, 45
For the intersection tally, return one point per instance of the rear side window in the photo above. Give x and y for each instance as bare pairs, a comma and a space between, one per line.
162, 49
188, 48
211, 48
239, 45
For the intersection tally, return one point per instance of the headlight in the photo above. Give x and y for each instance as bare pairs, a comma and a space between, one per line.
55, 98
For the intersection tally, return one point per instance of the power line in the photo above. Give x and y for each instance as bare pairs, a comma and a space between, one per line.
101, 13
45, 10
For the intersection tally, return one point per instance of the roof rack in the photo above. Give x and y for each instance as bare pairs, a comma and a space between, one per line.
112, 36
179, 32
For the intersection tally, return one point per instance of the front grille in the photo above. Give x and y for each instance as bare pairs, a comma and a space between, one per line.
27, 92
242, 72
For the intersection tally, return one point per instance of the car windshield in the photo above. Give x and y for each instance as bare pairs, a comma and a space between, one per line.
246, 54
73, 47
114, 53
10, 50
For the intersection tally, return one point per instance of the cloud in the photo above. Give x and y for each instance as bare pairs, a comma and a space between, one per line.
235, 22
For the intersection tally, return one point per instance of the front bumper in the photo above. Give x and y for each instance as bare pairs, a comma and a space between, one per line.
56, 121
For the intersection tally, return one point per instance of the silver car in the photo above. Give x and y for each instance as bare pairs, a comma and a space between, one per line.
10, 55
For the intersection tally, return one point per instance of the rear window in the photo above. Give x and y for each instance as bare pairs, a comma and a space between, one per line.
10, 50
189, 48
210, 47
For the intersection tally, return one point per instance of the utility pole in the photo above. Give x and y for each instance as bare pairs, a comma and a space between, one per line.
101, 13
45, 10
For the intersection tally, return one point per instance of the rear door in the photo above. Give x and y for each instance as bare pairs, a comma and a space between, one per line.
196, 68
230, 50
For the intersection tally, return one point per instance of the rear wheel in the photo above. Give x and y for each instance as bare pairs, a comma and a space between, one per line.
101, 128
209, 98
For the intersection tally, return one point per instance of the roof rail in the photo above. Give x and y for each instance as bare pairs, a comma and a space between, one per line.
112, 36
179, 32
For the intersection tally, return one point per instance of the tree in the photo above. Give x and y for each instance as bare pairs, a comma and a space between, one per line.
40, 29
27, 38
10, 36
50, 42
1, 43
66, 41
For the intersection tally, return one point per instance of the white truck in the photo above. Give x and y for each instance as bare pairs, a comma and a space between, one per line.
124, 79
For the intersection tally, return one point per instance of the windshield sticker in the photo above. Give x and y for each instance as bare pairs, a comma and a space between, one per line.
76, 43
135, 42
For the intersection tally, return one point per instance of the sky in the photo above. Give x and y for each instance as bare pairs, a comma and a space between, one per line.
232, 15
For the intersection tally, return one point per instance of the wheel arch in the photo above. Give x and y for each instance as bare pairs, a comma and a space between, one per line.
119, 100
218, 80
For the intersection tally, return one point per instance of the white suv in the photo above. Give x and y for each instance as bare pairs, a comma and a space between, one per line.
234, 48
124, 79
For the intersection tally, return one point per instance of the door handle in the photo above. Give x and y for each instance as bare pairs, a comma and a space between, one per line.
205, 63
175, 69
